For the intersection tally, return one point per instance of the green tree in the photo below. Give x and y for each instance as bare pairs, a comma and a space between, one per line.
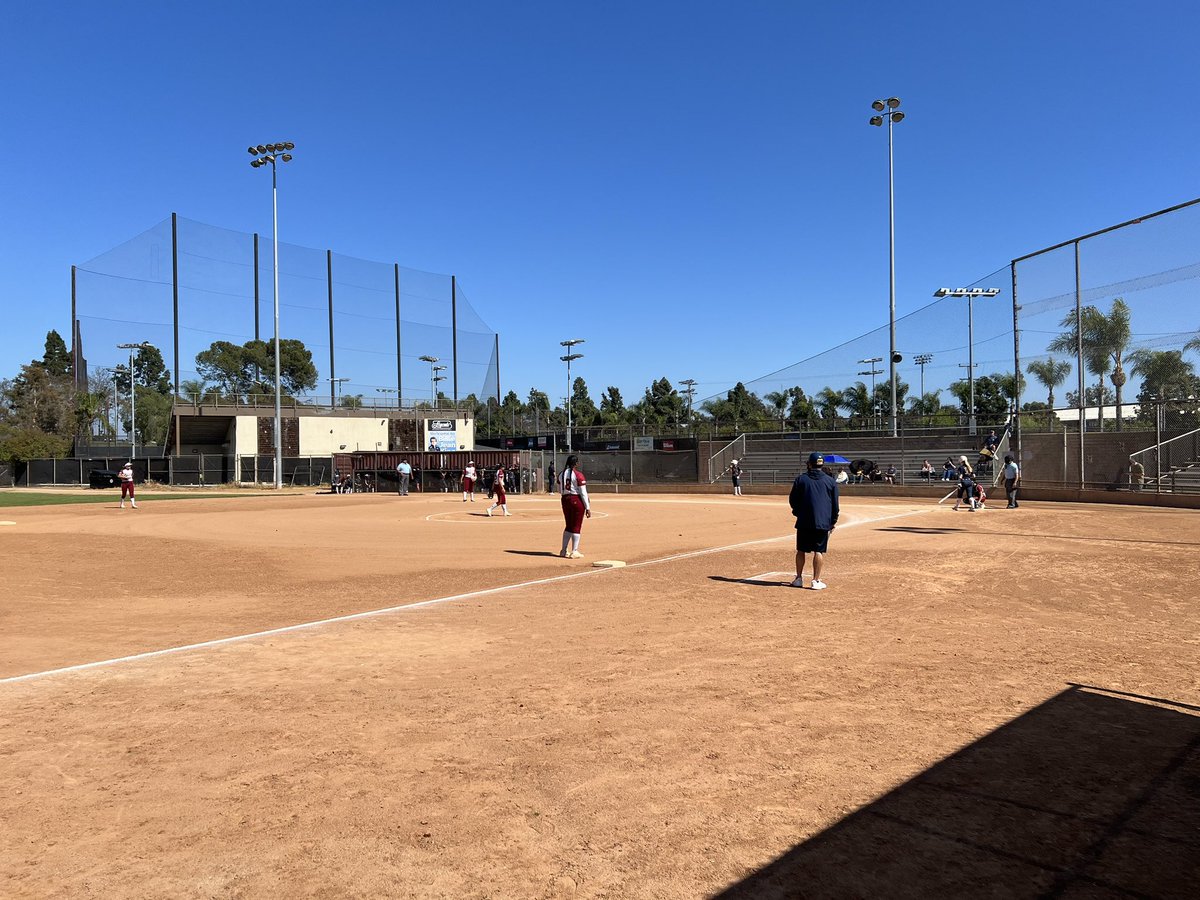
240, 371
1050, 372
800, 409
583, 410
828, 403
991, 401
612, 406
856, 400
56, 360
1165, 374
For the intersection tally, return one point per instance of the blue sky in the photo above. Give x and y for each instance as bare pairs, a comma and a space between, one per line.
691, 187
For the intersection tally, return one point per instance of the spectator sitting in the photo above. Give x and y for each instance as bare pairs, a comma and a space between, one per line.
890, 475
949, 470
842, 477
927, 470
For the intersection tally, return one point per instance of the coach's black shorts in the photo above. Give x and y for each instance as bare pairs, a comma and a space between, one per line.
811, 540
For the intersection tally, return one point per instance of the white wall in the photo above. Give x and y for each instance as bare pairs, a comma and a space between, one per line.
322, 435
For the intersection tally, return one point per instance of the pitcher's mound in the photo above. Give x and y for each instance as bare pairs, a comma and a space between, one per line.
608, 564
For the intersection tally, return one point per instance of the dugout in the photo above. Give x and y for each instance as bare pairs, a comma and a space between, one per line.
374, 470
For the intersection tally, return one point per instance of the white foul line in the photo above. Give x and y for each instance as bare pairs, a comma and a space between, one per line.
203, 645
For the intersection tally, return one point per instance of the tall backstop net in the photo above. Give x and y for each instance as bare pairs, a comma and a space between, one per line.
184, 285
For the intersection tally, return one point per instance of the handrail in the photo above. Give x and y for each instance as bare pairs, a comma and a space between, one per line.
726, 455
1169, 469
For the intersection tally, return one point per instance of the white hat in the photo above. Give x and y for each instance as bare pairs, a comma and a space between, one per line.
733, 462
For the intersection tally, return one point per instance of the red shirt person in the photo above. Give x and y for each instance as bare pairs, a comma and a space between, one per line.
498, 491
126, 478
575, 505
468, 482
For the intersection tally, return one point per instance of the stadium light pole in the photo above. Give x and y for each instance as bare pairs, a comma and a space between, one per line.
569, 344
132, 398
432, 374
970, 294
264, 154
436, 379
922, 360
390, 391
891, 111
335, 384
872, 372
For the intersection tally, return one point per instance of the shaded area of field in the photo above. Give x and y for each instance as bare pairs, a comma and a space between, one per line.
679, 728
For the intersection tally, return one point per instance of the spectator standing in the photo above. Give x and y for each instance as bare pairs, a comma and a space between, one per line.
1137, 474
404, 470
814, 503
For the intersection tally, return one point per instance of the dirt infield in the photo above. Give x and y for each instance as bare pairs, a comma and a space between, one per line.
995, 704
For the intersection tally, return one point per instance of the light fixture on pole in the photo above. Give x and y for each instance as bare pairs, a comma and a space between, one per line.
264, 154
390, 391
437, 398
922, 360
891, 112
690, 392
132, 397
335, 384
568, 359
970, 294
873, 372
432, 379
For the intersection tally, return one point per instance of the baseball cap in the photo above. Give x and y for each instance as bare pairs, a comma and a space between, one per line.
733, 462
816, 459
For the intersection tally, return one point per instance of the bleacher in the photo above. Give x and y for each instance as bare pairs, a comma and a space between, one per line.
775, 466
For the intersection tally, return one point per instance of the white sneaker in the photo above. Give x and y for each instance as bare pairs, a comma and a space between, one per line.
122, 506
507, 513
819, 585
489, 512
575, 554
799, 582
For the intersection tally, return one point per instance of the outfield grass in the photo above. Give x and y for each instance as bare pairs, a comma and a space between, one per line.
47, 498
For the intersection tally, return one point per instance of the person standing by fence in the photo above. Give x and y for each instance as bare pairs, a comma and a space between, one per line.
404, 470
735, 475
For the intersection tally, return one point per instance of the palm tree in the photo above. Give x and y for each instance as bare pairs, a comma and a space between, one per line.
1163, 372
779, 404
828, 403
1051, 373
1105, 339
1193, 344
857, 399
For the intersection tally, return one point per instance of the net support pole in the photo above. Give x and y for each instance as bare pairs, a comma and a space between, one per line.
497, 367
1082, 404
454, 335
75, 337
332, 371
175, 292
1015, 440
256, 331
399, 371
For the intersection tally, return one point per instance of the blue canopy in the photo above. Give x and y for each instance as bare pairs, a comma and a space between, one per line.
835, 459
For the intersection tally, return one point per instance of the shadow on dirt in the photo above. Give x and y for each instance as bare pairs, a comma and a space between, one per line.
1092, 793
762, 582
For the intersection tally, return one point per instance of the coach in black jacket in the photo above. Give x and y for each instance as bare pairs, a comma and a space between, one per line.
814, 502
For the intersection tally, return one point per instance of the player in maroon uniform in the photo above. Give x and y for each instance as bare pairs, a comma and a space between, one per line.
468, 482
576, 507
498, 491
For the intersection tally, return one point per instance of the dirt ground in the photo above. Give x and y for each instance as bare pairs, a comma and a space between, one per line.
1000, 704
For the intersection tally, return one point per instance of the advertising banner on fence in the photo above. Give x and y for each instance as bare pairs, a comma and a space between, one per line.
440, 435
641, 444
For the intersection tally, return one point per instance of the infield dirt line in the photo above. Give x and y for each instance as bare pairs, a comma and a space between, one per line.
285, 629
